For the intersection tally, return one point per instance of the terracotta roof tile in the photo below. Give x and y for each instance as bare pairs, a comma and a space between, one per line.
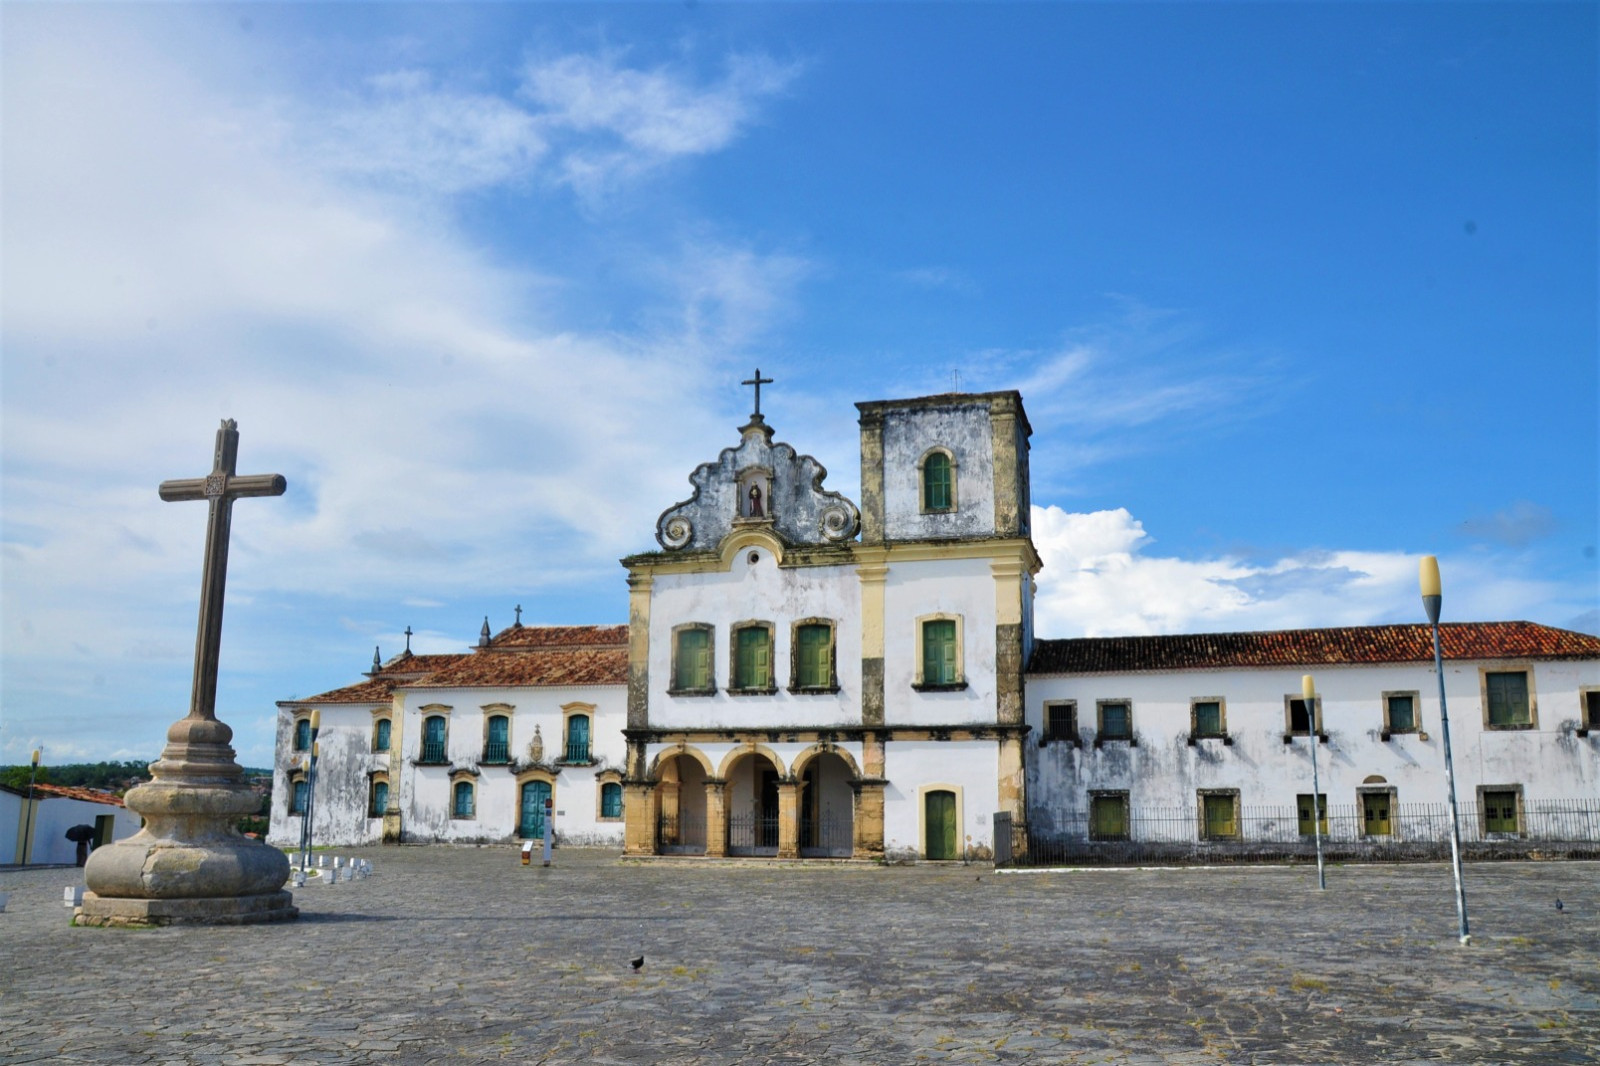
560, 636
1310, 647
606, 665
92, 795
401, 670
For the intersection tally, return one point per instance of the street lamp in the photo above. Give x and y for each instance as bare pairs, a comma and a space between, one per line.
1308, 690
1432, 597
33, 815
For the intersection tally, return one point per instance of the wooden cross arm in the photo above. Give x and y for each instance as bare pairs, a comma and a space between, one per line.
194, 488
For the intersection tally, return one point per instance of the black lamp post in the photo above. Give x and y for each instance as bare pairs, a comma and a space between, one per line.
1308, 689
33, 815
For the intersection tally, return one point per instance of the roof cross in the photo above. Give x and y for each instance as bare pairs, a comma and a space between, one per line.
757, 381
408, 640
218, 488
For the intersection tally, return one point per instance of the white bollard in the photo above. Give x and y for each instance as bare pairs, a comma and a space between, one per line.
73, 896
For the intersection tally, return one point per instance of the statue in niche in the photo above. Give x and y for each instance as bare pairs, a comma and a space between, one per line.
755, 502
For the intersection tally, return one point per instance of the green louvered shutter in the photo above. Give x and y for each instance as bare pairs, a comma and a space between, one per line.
816, 665
939, 665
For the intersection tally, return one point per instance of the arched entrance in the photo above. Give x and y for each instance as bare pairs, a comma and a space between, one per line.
753, 806
681, 802
827, 808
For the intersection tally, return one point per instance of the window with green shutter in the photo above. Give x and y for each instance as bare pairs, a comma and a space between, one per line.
940, 665
1116, 721
1507, 694
1220, 813
611, 800
1499, 811
380, 735
1303, 811
1400, 713
691, 660
1208, 721
814, 656
752, 665
938, 483
1108, 816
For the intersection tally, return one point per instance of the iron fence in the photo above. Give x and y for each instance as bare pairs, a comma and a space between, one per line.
828, 834
681, 834
1357, 832
753, 832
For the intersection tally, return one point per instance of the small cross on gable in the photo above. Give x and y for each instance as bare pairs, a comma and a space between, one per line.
757, 381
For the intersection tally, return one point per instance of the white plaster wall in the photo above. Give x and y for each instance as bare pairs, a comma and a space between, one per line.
907, 435
909, 765
345, 762
964, 587
47, 843
428, 797
759, 592
1550, 762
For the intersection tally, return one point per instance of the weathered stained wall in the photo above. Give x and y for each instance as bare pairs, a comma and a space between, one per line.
1165, 771
908, 434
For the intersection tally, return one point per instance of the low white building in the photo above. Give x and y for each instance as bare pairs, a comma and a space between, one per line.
36, 831
464, 748
803, 676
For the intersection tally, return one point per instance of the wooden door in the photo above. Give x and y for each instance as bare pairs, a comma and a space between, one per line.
939, 820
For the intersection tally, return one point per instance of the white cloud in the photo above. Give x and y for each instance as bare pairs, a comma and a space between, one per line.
1099, 579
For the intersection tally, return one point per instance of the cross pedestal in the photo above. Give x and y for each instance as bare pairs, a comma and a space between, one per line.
189, 864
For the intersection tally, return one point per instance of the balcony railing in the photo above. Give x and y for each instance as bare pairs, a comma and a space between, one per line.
577, 751
496, 752
432, 752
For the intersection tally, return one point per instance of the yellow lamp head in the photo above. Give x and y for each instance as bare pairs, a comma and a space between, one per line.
1308, 688
36, 752
316, 719
1428, 575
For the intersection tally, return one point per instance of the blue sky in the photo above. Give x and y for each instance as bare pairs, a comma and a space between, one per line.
1293, 293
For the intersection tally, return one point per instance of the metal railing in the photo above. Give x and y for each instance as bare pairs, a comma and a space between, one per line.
432, 752
753, 832
681, 834
828, 835
496, 752
1411, 832
577, 750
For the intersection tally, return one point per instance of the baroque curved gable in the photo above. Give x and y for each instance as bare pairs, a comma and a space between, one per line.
758, 484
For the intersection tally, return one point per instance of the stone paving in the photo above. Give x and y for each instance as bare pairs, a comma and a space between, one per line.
461, 955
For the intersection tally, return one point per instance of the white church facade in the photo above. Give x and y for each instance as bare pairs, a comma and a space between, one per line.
802, 675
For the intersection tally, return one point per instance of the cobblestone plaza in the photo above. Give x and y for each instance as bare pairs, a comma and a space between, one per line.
463, 955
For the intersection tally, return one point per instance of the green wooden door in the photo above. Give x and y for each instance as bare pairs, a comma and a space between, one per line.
531, 824
939, 818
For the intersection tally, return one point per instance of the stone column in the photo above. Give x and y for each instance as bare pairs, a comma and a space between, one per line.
788, 820
639, 818
868, 825
716, 818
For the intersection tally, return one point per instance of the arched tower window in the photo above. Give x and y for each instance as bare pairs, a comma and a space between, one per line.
938, 481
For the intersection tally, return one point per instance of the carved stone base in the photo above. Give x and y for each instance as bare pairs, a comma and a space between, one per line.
189, 864
223, 910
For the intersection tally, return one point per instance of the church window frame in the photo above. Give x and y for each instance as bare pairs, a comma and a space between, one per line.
377, 802
694, 660
433, 741
382, 734
940, 642
752, 647
1508, 698
1109, 815
463, 798
1218, 811
1060, 723
1402, 713
937, 481
1208, 719
608, 784
577, 743
1500, 811
813, 662
299, 793
1297, 721
302, 732
497, 750
1107, 729
1588, 709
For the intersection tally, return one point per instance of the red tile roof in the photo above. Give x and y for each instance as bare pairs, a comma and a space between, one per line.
606, 665
92, 795
560, 636
1310, 647
402, 670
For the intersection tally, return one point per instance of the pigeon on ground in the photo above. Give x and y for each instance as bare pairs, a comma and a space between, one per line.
637, 962
1559, 907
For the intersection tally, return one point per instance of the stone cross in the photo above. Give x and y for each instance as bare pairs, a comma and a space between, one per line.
757, 381
219, 488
